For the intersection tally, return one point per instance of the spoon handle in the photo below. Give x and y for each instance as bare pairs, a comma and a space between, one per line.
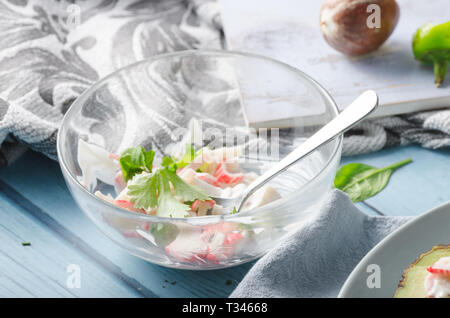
366, 103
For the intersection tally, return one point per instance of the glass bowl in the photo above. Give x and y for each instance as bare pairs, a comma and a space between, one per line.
154, 103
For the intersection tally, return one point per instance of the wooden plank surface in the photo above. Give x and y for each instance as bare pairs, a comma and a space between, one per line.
36, 206
40, 270
37, 182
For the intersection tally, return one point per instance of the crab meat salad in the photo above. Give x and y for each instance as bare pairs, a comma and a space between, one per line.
180, 185
174, 187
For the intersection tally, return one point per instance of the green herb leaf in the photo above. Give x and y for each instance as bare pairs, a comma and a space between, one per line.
234, 210
164, 233
169, 206
148, 191
167, 161
143, 190
187, 158
136, 160
26, 244
182, 189
362, 181
189, 155
148, 159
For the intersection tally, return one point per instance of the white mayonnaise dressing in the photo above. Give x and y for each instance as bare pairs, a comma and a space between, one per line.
438, 285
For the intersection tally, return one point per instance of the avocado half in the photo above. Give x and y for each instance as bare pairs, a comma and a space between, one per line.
412, 283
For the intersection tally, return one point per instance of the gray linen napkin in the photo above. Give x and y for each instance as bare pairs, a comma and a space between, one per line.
316, 260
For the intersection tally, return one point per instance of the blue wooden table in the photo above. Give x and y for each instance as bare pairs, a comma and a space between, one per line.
36, 207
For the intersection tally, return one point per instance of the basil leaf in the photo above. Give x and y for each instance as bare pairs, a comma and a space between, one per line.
362, 181
135, 160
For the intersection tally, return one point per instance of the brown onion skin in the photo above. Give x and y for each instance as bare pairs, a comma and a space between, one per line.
344, 24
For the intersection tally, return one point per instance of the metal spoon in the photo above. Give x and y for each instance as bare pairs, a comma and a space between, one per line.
365, 104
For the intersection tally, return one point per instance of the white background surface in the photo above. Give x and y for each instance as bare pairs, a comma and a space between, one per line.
288, 30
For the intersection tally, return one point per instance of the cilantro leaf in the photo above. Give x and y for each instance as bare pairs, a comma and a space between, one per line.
164, 233
189, 155
187, 158
143, 191
148, 159
135, 160
167, 161
169, 206
148, 191
182, 189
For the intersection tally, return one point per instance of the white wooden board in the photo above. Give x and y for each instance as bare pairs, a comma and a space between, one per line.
288, 30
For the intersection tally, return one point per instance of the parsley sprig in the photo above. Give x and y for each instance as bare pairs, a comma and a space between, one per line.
160, 189
136, 160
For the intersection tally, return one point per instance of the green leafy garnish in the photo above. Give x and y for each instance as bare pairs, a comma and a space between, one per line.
189, 155
26, 244
234, 210
362, 181
154, 190
168, 162
164, 233
136, 160
187, 158
161, 189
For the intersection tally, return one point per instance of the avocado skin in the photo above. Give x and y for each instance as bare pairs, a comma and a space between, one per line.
413, 287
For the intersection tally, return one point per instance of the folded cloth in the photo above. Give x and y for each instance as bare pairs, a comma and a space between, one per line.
430, 129
316, 260
51, 51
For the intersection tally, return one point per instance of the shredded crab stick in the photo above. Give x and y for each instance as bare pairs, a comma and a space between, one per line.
202, 207
437, 282
128, 205
212, 244
114, 156
225, 177
440, 271
119, 182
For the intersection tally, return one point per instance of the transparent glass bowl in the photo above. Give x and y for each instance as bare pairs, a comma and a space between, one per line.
150, 104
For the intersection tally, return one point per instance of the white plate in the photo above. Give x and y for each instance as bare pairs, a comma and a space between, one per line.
396, 252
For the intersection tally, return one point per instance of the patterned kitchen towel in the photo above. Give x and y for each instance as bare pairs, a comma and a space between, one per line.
316, 260
51, 51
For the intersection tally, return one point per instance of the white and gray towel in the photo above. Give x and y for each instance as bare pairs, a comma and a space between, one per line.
51, 51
